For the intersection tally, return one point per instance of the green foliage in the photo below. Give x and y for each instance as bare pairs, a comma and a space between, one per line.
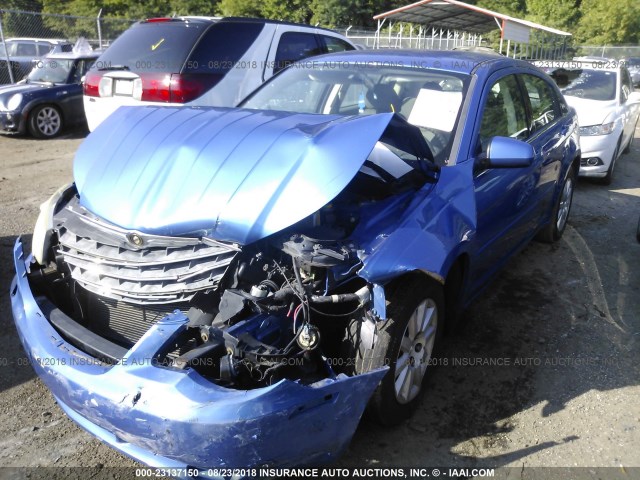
562, 14
595, 22
514, 8
195, 7
607, 23
342, 13
241, 8
289, 10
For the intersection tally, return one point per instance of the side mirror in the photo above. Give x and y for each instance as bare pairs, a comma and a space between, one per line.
506, 152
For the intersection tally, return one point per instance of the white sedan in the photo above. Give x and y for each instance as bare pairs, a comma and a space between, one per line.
602, 93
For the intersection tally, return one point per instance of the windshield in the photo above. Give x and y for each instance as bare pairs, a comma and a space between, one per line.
429, 99
51, 71
586, 83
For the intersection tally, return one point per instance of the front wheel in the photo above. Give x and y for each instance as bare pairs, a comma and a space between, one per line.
406, 343
45, 121
554, 230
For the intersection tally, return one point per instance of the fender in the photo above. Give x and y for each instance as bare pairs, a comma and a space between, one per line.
430, 240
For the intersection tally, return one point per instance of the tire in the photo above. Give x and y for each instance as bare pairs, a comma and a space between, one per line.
553, 231
45, 121
606, 180
638, 232
413, 305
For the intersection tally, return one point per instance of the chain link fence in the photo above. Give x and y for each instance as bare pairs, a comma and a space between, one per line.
436, 39
610, 51
21, 32
16, 56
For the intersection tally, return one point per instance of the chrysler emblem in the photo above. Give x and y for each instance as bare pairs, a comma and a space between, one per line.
135, 239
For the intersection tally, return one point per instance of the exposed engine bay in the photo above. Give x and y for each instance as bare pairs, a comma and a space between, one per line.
281, 307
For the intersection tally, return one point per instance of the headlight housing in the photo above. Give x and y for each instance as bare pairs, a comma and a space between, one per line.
40, 242
604, 129
14, 102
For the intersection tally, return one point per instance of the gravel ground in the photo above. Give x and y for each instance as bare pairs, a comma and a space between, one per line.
543, 371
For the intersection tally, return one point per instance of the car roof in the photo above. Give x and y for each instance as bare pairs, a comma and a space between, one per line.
33, 39
73, 56
459, 61
200, 19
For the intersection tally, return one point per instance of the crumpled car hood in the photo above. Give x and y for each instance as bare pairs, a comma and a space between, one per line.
230, 174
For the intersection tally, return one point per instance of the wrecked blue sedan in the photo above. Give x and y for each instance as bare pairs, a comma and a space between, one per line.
232, 287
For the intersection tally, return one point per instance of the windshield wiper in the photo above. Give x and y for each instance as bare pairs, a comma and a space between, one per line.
113, 68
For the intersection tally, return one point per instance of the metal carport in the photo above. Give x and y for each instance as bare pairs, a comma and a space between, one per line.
465, 24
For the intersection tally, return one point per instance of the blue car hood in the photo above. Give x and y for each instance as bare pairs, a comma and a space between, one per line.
230, 174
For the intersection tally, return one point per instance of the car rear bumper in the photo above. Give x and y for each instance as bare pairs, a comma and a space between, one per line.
171, 418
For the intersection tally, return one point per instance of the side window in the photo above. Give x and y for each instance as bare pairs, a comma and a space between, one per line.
26, 50
43, 49
220, 48
295, 46
333, 44
81, 69
542, 100
504, 112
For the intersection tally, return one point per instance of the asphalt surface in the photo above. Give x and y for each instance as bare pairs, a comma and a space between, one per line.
543, 372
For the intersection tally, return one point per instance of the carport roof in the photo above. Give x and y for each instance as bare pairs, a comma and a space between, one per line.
456, 15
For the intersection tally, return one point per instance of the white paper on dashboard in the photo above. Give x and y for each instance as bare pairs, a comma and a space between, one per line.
436, 109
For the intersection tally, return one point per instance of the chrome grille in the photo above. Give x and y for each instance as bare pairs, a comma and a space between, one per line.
162, 270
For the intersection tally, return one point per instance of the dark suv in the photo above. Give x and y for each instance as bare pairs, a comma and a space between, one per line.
197, 61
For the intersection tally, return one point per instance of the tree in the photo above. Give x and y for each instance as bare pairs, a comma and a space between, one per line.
606, 23
287, 10
195, 7
562, 14
241, 8
514, 8
342, 13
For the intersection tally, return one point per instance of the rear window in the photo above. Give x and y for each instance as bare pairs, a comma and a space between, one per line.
223, 46
26, 50
153, 47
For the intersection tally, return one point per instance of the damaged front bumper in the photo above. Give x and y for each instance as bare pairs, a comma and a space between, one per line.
12, 122
171, 418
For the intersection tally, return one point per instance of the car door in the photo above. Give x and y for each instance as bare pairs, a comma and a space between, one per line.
73, 101
505, 197
549, 138
628, 107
